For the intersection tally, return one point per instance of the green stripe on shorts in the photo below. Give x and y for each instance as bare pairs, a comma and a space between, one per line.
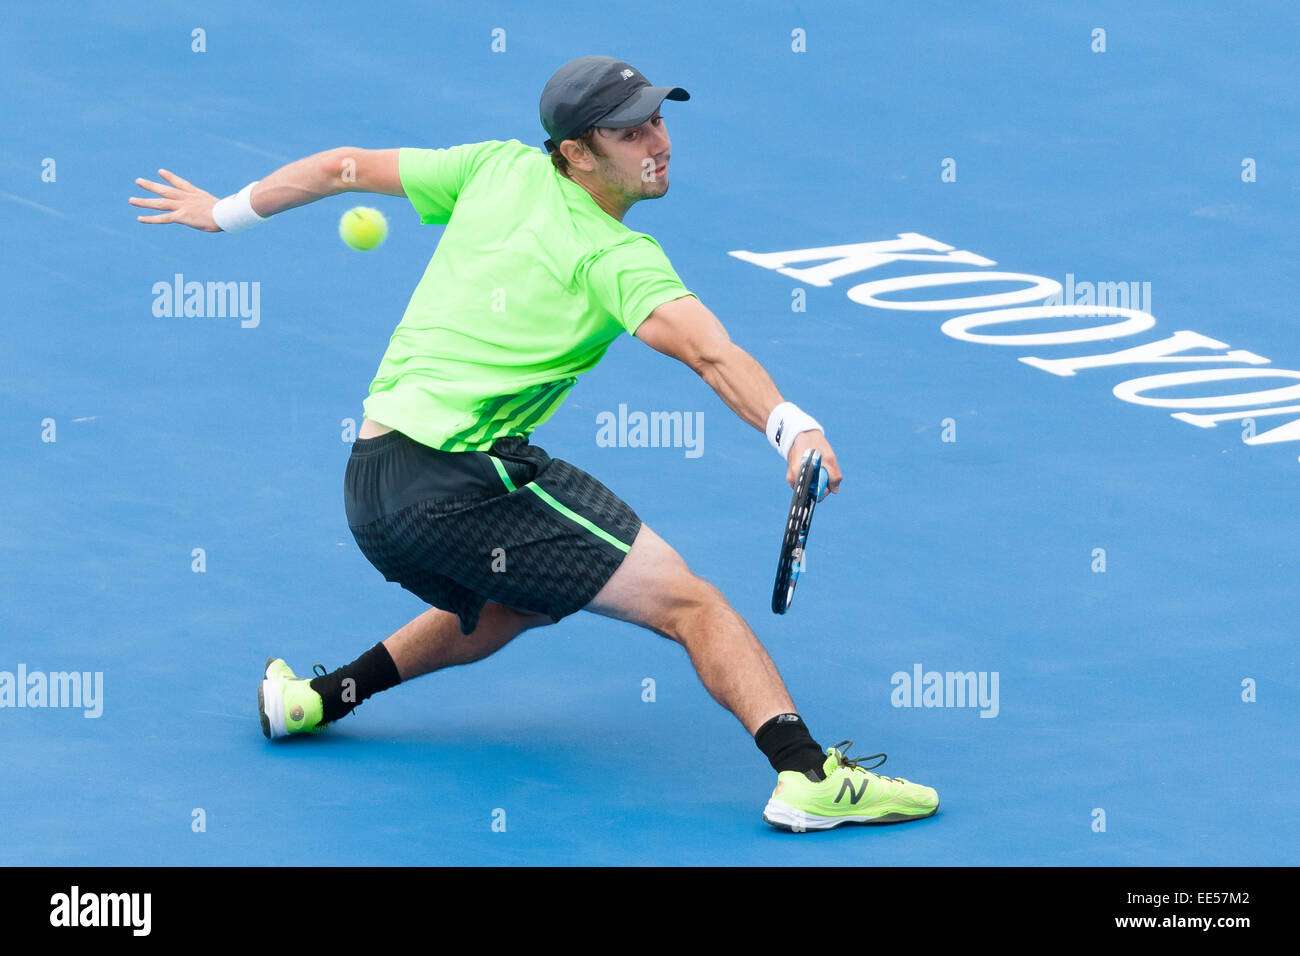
579, 519
501, 470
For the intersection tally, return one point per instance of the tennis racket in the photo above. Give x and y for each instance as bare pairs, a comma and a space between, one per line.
809, 488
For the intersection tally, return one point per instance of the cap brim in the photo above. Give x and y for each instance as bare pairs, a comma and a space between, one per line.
640, 106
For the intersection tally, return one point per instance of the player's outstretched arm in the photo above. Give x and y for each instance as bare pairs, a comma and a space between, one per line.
345, 169
689, 332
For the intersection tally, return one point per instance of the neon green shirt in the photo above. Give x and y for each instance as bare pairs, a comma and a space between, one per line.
529, 285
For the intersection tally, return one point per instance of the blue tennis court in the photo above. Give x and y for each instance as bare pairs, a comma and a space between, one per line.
1039, 591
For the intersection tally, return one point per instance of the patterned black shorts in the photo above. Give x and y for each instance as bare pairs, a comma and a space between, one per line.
511, 525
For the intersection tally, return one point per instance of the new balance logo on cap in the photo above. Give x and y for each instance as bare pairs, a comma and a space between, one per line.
627, 74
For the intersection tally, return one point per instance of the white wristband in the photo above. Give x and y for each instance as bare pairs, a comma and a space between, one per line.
235, 213
786, 421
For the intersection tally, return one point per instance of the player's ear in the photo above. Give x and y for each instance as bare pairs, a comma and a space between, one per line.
577, 154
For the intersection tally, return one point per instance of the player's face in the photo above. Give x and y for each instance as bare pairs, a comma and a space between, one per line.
636, 159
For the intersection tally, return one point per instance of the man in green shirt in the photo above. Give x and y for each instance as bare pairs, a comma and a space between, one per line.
532, 280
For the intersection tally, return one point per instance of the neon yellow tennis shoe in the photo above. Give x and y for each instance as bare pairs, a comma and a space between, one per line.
849, 794
287, 704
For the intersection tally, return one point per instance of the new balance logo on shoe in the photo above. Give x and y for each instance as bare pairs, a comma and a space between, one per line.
857, 795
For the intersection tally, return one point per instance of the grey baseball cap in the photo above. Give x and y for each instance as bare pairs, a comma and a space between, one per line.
599, 91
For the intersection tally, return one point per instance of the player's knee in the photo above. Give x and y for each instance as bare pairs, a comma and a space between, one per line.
698, 605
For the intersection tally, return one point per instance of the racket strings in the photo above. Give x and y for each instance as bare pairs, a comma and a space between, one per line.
798, 522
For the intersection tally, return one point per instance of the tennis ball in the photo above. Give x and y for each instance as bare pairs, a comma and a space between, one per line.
363, 228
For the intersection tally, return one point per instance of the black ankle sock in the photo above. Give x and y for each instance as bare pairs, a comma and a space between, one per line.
788, 746
370, 673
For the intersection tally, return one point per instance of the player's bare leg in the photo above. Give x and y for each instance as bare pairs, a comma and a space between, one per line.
654, 588
433, 640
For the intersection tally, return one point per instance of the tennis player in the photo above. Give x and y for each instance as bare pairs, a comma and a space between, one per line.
533, 278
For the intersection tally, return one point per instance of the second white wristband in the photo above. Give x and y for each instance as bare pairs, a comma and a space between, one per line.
786, 421
235, 213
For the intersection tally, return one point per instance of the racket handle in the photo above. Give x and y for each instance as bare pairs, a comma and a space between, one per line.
822, 478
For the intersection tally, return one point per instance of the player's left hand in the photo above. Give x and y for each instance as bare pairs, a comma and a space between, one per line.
184, 203
802, 443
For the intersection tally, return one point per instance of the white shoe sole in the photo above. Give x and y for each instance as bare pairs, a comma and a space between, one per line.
270, 702
781, 814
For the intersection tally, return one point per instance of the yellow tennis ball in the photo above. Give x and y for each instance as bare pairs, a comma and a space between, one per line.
363, 228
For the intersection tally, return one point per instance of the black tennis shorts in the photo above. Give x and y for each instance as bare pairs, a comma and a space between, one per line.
511, 525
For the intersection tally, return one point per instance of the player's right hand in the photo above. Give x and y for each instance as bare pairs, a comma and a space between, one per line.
184, 203
802, 443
